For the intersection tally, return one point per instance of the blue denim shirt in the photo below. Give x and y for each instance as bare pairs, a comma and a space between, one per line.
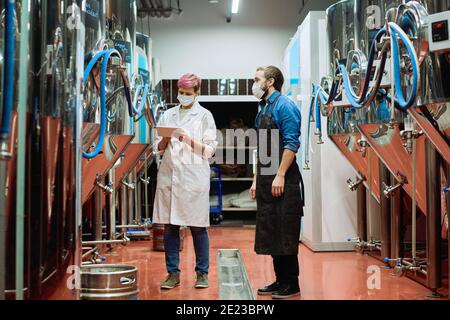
287, 118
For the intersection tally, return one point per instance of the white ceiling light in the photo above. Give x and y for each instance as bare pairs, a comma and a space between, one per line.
235, 7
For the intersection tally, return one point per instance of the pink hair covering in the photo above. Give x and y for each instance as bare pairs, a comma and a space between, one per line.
189, 81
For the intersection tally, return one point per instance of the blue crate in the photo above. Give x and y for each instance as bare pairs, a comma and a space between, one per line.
216, 191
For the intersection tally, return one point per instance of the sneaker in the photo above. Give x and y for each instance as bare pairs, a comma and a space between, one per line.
287, 292
172, 281
267, 291
202, 281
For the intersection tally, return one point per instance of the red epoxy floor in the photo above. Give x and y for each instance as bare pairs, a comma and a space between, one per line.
340, 276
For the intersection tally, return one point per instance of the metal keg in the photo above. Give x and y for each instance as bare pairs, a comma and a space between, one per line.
109, 282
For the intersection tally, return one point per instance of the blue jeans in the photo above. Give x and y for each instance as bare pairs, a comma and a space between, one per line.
172, 247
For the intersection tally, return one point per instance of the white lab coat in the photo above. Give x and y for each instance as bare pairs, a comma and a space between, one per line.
182, 193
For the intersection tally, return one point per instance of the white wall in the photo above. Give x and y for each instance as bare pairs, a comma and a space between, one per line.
201, 41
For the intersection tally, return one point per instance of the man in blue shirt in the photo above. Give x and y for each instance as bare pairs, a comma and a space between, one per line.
279, 193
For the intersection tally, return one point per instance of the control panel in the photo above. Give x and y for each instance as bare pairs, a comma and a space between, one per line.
438, 32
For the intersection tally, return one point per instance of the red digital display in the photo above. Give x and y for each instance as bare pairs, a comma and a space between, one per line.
440, 31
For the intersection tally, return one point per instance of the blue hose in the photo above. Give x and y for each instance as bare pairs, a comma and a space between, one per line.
351, 96
308, 137
321, 98
356, 102
318, 93
146, 88
136, 99
106, 55
407, 24
8, 76
144, 98
399, 97
359, 101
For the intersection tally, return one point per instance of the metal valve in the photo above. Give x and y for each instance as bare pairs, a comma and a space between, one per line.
402, 266
389, 191
5, 155
318, 134
408, 136
362, 246
130, 186
109, 188
307, 167
353, 186
364, 145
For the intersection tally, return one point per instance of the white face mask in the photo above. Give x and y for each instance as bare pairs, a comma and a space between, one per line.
186, 101
258, 92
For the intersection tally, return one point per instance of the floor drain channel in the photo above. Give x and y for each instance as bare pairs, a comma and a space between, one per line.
234, 283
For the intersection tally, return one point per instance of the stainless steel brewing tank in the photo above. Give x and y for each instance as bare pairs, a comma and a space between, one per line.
146, 132
433, 111
121, 17
370, 17
435, 6
340, 31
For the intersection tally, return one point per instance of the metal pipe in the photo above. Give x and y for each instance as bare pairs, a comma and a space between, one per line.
433, 217
79, 35
139, 201
146, 182
111, 208
105, 242
134, 227
396, 223
447, 196
97, 215
369, 208
130, 205
385, 215
123, 205
89, 252
21, 147
392, 121
362, 212
146, 226
413, 199
3, 228
137, 210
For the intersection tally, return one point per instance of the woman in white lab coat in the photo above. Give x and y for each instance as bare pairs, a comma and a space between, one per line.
182, 194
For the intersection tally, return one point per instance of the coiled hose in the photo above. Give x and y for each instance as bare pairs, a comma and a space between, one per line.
145, 90
105, 55
359, 102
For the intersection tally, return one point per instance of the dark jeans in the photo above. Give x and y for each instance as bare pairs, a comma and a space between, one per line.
287, 269
172, 246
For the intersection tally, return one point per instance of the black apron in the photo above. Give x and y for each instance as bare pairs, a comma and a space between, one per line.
278, 219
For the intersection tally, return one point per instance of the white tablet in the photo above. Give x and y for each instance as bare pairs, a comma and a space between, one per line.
166, 132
